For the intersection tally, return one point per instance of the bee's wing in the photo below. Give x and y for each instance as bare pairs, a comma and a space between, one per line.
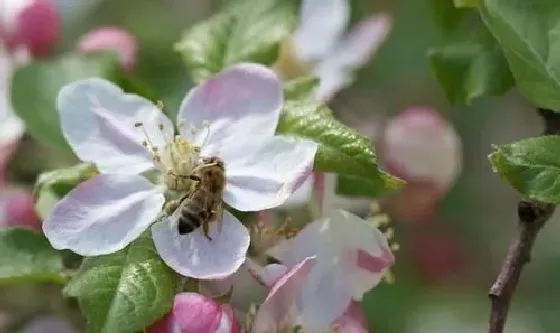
174, 217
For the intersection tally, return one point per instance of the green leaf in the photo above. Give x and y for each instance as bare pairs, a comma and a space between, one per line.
341, 150
53, 185
300, 88
466, 3
125, 291
531, 166
36, 85
529, 33
379, 185
446, 15
248, 31
26, 255
471, 69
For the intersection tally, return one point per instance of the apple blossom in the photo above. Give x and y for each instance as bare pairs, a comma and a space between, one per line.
319, 45
352, 256
232, 115
194, 313
29, 24
111, 39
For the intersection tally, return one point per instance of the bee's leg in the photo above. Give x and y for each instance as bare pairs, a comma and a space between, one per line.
206, 229
194, 178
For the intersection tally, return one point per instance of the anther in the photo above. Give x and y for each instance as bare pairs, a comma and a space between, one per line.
160, 127
395, 247
138, 124
145, 143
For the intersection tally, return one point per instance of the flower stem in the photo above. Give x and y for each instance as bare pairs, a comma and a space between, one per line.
532, 217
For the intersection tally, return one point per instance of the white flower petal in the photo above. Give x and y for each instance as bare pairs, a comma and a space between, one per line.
11, 127
332, 236
336, 70
193, 255
302, 195
333, 78
324, 297
308, 242
278, 307
98, 120
103, 214
364, 271
362, 42
243, 100
322, 24
263, 174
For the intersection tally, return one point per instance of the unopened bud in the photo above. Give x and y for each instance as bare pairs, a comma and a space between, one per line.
34, 24
111, 39
419, 145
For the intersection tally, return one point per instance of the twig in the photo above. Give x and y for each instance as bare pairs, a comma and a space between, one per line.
532, 217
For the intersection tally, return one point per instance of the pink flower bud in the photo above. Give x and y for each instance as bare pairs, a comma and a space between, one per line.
194, 313
33, 24
420, 146
111, 39
17, 209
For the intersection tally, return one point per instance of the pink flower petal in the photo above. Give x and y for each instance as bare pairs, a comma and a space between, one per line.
111, 39
19, 208
276, 310
195, 313
352, 321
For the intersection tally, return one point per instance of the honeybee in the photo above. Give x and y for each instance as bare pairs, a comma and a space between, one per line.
203, 203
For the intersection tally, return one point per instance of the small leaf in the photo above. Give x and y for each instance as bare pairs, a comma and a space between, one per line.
300, 88
471, 69
248, 31
125, 291
26, 255
531, 166
529, 34
341, 150
36, 85
53, 185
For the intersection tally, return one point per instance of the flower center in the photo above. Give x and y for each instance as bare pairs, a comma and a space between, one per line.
288, 65
173, 154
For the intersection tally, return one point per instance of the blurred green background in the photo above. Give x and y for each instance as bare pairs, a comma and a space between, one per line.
441, 282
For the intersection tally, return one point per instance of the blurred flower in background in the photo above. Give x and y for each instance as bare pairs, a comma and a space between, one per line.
111, 39
319, 45
48, 324
421, 147
28, 28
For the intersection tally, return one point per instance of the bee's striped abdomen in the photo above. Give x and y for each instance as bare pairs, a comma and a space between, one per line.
188, 222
